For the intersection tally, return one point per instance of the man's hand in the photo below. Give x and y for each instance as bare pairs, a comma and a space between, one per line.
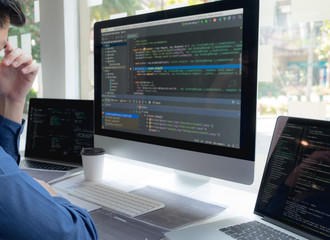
17, 74
47, 187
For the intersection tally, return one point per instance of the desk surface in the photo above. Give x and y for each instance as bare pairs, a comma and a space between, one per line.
131, 175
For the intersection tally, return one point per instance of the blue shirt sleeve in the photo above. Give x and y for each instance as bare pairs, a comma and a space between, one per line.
27, 210
10, 133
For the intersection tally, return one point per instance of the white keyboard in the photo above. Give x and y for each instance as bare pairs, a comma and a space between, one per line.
120, 201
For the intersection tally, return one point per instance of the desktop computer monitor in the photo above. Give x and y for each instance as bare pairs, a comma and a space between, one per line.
177, 88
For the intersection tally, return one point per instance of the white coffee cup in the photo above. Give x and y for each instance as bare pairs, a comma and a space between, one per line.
93, 162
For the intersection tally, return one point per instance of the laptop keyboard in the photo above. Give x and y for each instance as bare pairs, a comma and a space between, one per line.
45, 166
255, 230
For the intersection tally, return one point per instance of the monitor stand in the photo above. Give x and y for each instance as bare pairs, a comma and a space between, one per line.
181, 182
155, 175
190, 181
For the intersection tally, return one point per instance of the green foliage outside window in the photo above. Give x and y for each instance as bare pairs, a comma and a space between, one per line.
30, 27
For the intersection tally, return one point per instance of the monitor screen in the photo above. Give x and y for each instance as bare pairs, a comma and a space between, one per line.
181, 81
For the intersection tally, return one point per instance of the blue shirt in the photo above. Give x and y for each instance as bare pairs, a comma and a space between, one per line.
27, 210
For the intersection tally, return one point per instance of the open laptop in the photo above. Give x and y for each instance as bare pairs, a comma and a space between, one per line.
57, 130
294, 196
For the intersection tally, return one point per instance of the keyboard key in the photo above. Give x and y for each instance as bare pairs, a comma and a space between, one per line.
255, 230
45, 166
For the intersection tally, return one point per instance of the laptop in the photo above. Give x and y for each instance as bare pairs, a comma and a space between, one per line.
57, 130
294, 195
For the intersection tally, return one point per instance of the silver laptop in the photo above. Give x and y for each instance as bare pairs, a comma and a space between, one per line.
294, 196
57, 130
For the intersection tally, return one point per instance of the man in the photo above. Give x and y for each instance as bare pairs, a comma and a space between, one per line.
29, 209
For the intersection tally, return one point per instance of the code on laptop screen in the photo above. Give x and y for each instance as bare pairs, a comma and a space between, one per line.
296, 184
59, 128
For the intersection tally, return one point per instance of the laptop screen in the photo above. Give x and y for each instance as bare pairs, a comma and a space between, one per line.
58, 129
295, 186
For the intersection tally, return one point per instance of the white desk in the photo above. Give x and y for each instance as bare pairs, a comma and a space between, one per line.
130, 175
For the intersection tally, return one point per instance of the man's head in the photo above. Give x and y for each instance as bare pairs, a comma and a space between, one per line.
10, 14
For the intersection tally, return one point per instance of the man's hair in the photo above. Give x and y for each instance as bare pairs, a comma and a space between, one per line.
11, 12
